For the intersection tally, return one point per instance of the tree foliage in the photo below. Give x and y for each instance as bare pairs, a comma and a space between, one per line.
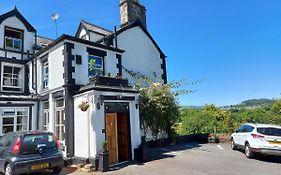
211, 119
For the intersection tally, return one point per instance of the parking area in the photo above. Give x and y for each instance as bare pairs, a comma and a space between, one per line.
196, 159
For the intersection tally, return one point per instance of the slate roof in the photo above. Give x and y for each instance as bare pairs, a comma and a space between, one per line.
93, 28
17, 14
43, 41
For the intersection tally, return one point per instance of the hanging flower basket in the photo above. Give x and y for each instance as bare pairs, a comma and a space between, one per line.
84, 106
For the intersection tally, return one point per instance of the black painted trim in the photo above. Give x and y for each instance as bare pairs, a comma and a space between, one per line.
17, 14
109, 97
119, 64
106, 89
9, 50
78, 59
68, 80
74, 39
30, 118
58, 94
164, 68
26, 80
15, 105
44, 97
96, 52
15, 61
17, 98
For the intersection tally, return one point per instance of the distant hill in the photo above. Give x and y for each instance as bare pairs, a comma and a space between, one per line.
258, 102
252, 103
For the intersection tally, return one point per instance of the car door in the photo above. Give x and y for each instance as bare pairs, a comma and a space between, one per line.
237, 135
244, 134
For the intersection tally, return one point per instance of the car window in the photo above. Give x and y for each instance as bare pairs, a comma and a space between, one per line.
7, 140
248, 128
269, 131
31, 143
240, 128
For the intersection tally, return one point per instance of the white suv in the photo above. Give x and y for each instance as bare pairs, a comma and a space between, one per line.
257, 139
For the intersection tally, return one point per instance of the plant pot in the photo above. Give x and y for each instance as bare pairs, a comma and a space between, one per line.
103, 161
141, 153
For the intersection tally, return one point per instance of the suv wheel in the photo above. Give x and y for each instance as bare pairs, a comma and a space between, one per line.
248, 151
233, 145
8, 170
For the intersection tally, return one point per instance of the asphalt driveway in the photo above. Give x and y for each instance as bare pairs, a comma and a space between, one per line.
196, 159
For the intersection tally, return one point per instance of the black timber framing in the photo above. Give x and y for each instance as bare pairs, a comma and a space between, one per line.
119, 64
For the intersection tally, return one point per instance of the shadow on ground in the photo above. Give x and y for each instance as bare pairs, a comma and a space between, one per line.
159, 153
263, 158
67, 170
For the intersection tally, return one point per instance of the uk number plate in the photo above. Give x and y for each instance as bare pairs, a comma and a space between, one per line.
40, 166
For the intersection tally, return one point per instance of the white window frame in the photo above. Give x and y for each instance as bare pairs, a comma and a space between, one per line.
15, 117
13, 39
102, 67
45, 75
20, 78
46, 117
61, 121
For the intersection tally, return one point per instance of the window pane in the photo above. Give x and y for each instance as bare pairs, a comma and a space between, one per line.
9, 42
17, 44
7, 129
8, 120
60, 103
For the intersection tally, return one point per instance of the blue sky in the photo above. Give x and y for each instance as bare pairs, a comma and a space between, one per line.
235, 46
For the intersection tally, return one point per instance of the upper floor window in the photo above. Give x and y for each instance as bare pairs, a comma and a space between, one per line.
95, 66
12, 78
13, 39
45, 75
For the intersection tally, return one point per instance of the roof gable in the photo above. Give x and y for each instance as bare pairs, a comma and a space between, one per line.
17, 14
89, 27
135, 24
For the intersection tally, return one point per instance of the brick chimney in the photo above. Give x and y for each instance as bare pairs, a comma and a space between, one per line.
132, 11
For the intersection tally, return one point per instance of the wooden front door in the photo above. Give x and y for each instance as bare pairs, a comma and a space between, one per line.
112, 137
123, 135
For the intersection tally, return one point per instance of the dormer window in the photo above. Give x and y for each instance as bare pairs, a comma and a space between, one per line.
13, 39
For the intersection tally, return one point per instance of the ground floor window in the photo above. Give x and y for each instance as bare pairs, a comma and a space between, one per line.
46, 116
15, 119
60, 120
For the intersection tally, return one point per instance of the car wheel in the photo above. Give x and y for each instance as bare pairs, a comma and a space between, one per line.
8, 170
57, 170
248, 151
233, 145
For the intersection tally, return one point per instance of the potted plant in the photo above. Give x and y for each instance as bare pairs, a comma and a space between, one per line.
104, 158
141, 153
84, 105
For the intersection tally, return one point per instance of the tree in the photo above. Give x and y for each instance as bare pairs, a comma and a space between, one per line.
159, 109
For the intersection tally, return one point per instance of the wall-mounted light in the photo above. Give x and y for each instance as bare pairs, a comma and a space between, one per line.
137, 103
100, 101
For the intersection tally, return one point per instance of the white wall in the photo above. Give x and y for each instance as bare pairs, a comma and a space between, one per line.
140, 54
81, 71
29, 37
56, 69
97, 124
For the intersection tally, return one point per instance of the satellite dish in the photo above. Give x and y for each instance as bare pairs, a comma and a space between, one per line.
55, 16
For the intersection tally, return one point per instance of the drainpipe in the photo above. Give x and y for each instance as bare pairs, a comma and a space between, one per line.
88, 125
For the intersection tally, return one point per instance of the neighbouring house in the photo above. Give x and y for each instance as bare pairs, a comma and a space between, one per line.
76, 86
